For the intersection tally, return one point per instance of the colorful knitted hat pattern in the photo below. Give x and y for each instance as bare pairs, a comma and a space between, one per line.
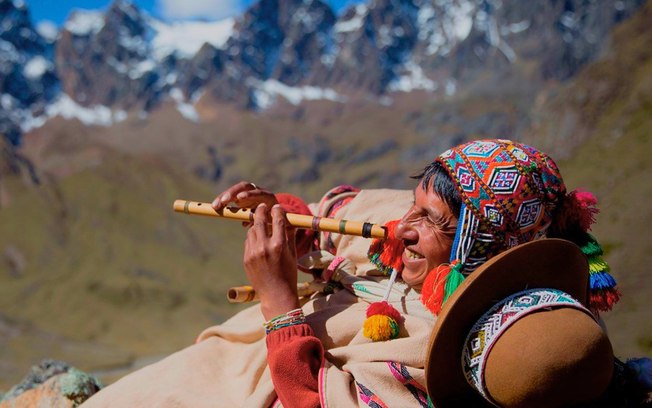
511, 194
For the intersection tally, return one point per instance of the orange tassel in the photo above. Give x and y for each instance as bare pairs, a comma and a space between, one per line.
387, 253
433, 293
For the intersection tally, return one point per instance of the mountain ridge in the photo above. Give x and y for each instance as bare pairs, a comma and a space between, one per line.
116, 62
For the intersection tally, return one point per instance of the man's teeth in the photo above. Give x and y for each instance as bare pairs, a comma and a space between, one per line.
413, 255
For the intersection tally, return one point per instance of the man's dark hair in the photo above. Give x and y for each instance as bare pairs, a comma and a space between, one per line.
435, 175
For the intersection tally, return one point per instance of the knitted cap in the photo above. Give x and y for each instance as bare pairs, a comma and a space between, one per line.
509, 194
512, 194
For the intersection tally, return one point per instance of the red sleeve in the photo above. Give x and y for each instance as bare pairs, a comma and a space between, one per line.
295, 356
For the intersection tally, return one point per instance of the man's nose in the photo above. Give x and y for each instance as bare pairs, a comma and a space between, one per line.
404, 230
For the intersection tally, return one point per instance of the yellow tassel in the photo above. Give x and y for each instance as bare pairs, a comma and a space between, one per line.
380, 328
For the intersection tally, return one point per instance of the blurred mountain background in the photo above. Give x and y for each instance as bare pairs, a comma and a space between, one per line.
110, 117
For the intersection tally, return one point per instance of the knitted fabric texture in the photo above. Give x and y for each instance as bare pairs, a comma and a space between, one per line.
509, 193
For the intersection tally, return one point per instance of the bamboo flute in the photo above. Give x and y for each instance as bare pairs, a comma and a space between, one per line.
346, 227
245, 293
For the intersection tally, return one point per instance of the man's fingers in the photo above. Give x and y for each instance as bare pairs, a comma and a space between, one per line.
279, 223
291, 234
261, 220
231, 194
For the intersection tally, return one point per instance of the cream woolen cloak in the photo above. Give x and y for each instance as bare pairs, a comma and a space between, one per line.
227, 367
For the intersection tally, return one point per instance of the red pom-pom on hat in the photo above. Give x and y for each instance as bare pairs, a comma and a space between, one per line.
578, 209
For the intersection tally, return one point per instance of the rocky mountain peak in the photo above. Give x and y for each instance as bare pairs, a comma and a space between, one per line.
125, 19
123, 59
16, 28
27, 75
282, 39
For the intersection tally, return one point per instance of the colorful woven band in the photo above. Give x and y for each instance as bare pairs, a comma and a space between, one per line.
290, 318
488, 329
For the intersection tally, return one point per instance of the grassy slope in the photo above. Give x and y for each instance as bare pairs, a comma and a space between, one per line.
111, 272
614, 162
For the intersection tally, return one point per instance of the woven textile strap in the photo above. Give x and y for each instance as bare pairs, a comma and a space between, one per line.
488, 329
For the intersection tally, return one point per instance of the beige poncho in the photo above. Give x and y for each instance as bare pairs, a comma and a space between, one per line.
227, 367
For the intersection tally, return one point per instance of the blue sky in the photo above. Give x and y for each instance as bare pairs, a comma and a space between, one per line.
57, 10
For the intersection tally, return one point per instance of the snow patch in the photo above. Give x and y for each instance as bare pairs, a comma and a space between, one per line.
442, 31
120, 116
142, 68
266, 92
569, 20
84, 22
9, 52
354, 23
7, 102
48, 30
36, 67
186, 110
450, 87
515, 28
67, 108
187, 37
462, 20
413, 79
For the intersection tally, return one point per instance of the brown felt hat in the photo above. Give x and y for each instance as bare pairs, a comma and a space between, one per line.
552, 357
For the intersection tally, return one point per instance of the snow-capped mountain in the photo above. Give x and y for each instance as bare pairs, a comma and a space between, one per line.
103, 65
27, 72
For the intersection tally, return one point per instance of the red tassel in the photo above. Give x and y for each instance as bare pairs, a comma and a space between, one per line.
432, 292
587, 209
603, 300
387, 253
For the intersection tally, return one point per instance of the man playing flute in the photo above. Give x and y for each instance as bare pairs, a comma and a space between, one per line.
363, 341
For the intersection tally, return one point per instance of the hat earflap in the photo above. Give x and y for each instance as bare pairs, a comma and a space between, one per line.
383, 320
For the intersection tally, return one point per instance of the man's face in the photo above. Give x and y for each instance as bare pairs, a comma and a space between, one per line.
427, 231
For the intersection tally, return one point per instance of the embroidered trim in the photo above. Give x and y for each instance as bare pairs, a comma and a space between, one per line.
401, 373
497, 320
369, 397
322, 384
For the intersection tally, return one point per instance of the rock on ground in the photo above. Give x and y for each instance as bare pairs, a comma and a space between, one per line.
51, 384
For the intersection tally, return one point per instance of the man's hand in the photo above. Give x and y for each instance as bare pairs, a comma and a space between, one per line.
270, 261
245, 195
